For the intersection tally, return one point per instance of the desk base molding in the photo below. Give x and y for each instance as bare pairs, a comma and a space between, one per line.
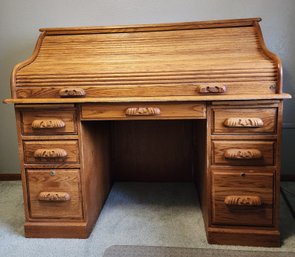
244, 237
55, 229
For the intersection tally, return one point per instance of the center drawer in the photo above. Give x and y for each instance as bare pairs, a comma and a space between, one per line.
157, 110
51, 152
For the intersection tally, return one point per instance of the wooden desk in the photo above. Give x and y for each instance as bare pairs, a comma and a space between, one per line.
198, 101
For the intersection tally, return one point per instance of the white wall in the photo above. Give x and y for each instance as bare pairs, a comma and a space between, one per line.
20, 21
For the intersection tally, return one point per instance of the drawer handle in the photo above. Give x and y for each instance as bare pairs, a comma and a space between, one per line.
209, 89
54, 196
242, 200
243, 123
72, 92
48, 124
143, 111
50, 153
242, 154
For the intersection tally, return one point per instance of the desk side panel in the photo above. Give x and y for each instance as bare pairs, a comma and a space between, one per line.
95, 170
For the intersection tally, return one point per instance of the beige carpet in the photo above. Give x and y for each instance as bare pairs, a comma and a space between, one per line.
161, 251
134, 214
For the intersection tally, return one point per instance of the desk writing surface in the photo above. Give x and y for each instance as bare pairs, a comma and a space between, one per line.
197, 101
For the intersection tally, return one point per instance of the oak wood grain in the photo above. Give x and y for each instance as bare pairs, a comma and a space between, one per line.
152, 151
223, 117
221, 155
210, 98
48, 121
153, 27
226, 184
167, 111
225, 53
66, 181
96, 177
45, 152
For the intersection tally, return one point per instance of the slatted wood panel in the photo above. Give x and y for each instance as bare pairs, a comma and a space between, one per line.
172, 63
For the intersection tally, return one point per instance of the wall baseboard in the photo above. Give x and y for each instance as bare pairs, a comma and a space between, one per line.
9, 177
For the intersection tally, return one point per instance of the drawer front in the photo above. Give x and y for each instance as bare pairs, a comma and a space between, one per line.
51, 152
54, 194
144, 111
242, 198
237, 152
244, 121
48, 122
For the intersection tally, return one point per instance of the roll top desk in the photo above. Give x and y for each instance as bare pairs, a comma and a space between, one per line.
196, 101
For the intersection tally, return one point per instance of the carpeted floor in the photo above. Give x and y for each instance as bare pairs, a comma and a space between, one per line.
134, 214
164, 251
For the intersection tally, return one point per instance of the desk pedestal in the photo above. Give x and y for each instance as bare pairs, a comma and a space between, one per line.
71, 155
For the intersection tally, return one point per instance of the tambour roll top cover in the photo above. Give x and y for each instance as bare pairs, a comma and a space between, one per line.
190, 59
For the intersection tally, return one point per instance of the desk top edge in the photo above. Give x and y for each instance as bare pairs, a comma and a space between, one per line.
148, 99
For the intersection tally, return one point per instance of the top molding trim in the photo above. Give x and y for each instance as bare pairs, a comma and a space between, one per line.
153, 27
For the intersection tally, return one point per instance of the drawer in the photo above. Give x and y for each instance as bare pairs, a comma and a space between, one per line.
54, 193
144, 111
51, 152
236, 152
244, 120
48, 122
242, 198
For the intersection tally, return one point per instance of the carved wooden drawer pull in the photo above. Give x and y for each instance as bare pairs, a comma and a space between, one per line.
243, 122
209, 89
50, 153
242, 200
54, 196
142, 111
242, 154
72, 92
48, 124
